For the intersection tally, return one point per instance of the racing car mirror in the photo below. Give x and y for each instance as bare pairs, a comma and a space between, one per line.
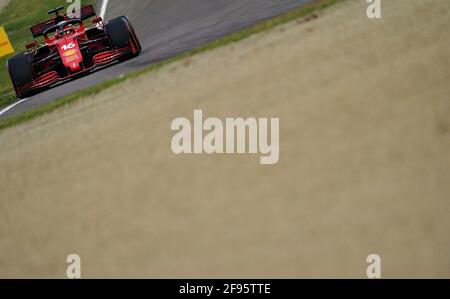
97, 20
31, 45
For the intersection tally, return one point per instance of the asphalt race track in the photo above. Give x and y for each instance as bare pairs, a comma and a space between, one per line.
167, 28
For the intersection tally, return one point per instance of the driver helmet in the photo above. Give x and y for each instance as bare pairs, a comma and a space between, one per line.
59, 31
69, 29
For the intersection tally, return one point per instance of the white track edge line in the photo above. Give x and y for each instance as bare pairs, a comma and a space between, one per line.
104, 7
12, 106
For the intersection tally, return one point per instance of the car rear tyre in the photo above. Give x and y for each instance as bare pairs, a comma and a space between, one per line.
134, 37
118, 32
121, 34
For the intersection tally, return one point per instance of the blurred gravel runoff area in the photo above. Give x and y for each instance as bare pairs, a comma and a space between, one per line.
364, 168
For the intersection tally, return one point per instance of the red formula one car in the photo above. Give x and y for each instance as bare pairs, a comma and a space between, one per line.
69, 49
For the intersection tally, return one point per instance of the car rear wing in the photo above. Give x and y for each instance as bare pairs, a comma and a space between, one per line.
86, 12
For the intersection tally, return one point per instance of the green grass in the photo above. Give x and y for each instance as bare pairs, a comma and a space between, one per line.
308, 12
17, 17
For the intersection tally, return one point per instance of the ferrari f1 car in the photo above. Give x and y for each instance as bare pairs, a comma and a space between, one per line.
70, 48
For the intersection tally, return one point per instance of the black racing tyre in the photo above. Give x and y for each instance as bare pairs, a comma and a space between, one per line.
118, 32
134, 36
20, 70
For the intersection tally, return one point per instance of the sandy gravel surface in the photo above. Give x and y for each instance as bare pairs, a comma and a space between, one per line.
364, 168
